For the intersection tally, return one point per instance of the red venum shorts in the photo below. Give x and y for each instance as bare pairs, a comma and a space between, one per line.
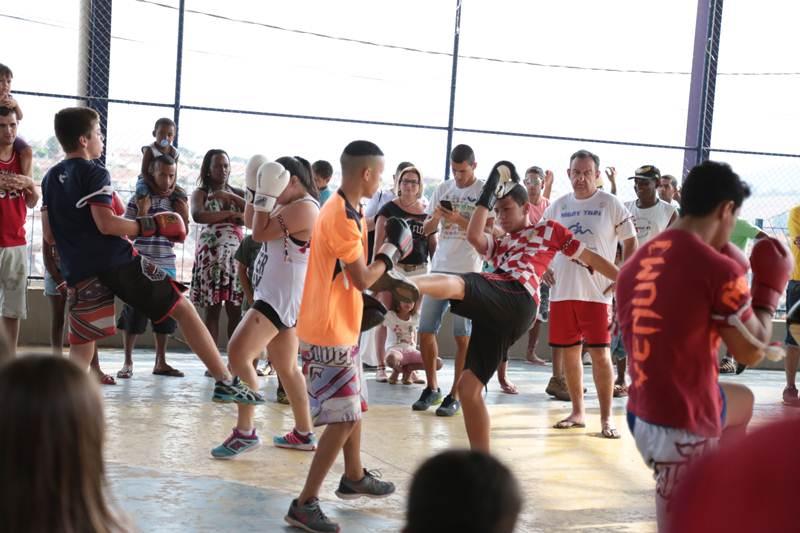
574, 321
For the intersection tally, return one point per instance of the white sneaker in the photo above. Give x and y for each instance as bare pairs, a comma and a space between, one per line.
587, 359
380, 375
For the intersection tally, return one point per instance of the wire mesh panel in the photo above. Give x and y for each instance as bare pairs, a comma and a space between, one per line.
536, 81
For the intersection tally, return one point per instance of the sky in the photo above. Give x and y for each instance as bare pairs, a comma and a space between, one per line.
236, 62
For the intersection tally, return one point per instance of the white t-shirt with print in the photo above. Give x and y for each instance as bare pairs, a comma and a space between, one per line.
600, 222
401, 333
454, 253
651, 221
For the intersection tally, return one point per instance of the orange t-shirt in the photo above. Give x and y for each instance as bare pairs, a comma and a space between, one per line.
330, 313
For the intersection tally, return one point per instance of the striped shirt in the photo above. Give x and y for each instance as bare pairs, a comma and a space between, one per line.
158, 249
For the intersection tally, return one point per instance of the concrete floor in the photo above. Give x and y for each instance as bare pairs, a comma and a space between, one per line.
160, 431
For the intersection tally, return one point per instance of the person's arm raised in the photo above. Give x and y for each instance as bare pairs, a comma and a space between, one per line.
476, 230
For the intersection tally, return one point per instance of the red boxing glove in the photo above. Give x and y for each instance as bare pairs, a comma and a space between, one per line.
772, 265
732, 251
166, 224
117, 205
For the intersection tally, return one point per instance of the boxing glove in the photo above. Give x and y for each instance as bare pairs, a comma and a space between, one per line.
397, 244
251, 176
732, 251
166, 224
271, 180
117, 205
771, 265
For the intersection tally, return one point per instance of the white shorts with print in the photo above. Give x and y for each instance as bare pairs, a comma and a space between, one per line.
14, 282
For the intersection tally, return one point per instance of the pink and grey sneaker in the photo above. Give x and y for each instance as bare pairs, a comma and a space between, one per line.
295, 441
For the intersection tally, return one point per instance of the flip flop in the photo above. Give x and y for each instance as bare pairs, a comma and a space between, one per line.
568, 424
107, 379
259, 373
170, 372
125, 374
610, 432
620, 391
509, 388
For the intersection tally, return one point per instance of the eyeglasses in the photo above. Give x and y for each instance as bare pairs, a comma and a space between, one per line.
409, 182
532, 181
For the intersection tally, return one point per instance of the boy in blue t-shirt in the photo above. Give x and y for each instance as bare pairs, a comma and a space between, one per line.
98, 262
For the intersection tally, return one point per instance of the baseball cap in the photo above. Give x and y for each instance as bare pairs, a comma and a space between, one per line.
646, 172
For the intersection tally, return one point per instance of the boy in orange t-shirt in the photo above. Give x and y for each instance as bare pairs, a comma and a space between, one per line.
329, 326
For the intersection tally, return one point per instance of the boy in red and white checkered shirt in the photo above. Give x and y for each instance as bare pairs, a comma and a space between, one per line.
502, 304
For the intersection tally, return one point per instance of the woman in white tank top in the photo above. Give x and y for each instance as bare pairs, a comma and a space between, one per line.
278, 277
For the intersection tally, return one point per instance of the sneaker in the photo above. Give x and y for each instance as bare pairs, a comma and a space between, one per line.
587, 359
237, 392
281, 397
428, 398
790, 396
556, 386
449, 407
727, 366
380, 375
236, 444
295, 441
310, 517
370, 486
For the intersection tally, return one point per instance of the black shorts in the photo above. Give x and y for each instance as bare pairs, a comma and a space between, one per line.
501, 312
145, 287
135, 323
268, 311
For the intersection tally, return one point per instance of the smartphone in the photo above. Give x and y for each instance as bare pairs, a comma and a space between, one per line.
446, 204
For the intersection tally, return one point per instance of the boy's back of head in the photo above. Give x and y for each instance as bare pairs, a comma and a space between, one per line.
464, 491
71, 123
322, 169
358, 155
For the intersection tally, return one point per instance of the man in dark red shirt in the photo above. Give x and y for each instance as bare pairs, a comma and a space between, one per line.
17, 194
677, 297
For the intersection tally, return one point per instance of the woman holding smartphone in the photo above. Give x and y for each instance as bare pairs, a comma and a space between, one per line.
409, 207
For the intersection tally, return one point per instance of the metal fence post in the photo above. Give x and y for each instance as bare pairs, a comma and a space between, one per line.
703, 83
97, 21
176, 113
453, 79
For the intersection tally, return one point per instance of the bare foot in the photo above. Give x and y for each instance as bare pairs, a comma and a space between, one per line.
508, 387
534, 359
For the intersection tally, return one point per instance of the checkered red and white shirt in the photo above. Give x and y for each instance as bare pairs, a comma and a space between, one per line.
525, 254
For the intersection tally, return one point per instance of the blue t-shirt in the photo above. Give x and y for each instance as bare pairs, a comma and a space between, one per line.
324, 194
84, 251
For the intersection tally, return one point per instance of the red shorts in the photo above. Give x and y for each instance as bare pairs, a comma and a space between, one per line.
575, 321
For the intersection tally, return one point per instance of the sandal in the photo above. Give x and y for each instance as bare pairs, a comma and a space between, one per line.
568, 424
609, 431
169, 371
125, 373
620, 391
107, 379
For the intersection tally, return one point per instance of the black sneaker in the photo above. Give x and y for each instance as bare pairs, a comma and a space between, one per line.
428, 398
370, 486
310, 517
449, 407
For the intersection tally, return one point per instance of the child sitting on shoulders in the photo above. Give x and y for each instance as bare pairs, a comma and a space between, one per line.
402, 355
164, 131
6, 100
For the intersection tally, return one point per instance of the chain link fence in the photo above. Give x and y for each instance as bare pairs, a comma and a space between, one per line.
305, 78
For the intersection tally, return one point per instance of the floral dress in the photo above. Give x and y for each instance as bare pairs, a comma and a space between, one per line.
214, 278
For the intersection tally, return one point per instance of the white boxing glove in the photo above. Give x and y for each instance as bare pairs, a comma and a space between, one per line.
271, 180
251, 176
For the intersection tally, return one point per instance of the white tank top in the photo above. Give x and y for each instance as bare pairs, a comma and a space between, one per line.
279, 271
